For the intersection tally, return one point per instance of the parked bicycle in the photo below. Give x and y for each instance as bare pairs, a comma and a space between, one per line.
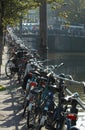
56, 116
47, 102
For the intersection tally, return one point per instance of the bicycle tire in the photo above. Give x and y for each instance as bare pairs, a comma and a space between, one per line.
8, 69
33, 119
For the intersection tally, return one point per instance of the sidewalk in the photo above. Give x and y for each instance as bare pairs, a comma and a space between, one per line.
10, 102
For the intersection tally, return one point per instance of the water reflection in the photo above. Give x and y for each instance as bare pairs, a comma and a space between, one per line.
74, 64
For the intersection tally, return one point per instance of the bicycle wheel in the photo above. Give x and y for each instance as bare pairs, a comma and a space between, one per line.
20, 75
9, 69
33, 118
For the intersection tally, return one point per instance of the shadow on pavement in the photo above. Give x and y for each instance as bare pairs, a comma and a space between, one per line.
11, 107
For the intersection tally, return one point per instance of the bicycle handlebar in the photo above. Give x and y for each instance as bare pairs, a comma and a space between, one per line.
70, 80
77, 98
51, 68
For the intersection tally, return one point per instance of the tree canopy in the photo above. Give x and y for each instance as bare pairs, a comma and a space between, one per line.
76, 11
14, 9
72, 10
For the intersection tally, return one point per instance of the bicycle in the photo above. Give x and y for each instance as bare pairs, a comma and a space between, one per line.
60, 116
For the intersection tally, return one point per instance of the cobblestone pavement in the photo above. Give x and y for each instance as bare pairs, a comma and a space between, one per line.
11, 104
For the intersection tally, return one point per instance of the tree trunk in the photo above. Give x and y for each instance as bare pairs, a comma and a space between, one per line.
20, 26
43, 29
1, 31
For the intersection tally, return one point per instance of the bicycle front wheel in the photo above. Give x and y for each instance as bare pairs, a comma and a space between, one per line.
9, 69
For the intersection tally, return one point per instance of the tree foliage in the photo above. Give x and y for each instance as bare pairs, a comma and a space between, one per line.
14, 9
72, 10
76, 13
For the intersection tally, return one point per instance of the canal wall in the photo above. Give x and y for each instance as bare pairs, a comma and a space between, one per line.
57, 43
66, 43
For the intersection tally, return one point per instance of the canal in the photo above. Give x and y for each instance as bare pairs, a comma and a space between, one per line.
74, 64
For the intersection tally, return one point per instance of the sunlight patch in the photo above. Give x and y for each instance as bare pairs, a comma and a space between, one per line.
2, 88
